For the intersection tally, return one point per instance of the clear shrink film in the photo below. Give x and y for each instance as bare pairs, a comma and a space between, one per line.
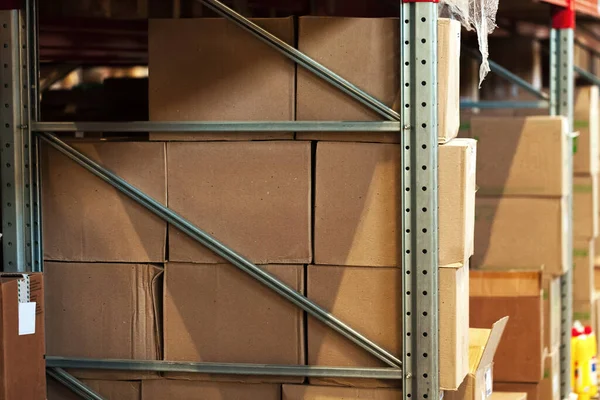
477, 15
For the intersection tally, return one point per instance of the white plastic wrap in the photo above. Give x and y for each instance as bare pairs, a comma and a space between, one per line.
478, 15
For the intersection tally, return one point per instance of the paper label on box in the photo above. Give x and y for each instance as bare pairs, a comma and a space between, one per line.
488, 382
555, 385
26, 318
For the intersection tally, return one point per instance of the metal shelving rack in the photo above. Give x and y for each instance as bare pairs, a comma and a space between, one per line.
22, 132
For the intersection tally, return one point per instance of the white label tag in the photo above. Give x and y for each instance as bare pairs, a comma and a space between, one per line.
488, 382
27, 318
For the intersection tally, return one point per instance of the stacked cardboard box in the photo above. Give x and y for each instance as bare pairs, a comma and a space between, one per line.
104, 256
586, 164
265, 196
521, 247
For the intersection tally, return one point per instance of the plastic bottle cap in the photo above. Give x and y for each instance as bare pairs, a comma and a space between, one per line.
587, 330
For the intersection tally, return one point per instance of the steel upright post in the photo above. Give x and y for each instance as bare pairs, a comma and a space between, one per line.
561, 103
418, 41
15, 140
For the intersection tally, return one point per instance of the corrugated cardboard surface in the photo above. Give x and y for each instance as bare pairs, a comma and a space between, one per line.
456, 203
472, 388
22, 364
508, 396
112, 390
175, 389
112, 308
86, 219
357, 212
305, 392
552, 313
521, 156
365, 298
253, 196
212, 70
217, 313
518, 295
521, 233
583, 270
533, 390
585, 207
342, 44
587, 144
550, 385
583, 311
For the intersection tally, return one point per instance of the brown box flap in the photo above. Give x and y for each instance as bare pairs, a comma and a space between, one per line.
487, 340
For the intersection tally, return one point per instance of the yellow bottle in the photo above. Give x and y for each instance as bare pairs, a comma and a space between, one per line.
582, 358
576, 380
593, 349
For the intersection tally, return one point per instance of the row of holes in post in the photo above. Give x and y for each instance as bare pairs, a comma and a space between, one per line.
8, 146
423, 209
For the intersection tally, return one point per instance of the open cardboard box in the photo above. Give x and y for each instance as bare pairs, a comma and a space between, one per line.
482, 348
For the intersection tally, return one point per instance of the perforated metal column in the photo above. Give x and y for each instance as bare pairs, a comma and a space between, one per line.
561, 103
15, 147
418, 27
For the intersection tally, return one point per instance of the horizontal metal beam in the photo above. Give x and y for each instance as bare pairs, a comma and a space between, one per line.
506, 74
587, 75
225, 368
303, 60
75, 385
250, 126
223, 251
504, 104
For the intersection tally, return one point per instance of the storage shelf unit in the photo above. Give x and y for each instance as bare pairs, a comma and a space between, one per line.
417, 126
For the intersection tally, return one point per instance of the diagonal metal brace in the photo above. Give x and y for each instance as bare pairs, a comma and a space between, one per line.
587, 75
506, 74
303, 60
74, 384
220, 249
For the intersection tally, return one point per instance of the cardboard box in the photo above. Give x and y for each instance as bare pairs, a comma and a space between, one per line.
113, 390
508, 396
305, 392
483, 344
583, 270
583, 311
218, 313
596, 278
522, 156
357, 212
112, 307
189, 390
22, 349
494, 294
585, 207
342, 45
255, 197
521, 233
535, 391
212, 70
552, 311
550, 385
86, 219
369, 300
587, 144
